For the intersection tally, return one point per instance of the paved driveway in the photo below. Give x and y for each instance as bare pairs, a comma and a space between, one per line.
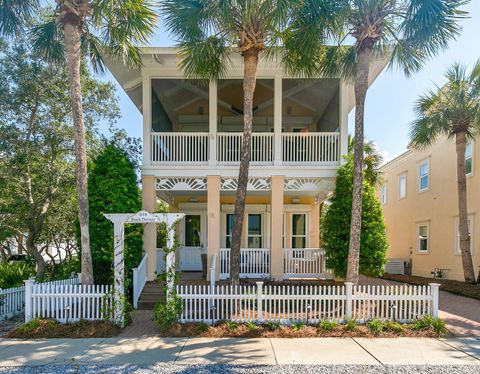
461, 314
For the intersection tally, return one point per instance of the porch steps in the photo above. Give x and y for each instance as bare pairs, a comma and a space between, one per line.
151, 294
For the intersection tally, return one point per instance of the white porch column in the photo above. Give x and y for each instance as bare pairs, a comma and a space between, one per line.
212, 121
119, 271
147, 120
343, 116
149, 203
277, 120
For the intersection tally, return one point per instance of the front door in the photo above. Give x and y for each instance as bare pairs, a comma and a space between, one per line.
192, 239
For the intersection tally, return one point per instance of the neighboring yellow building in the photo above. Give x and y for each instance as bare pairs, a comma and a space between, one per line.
419, 199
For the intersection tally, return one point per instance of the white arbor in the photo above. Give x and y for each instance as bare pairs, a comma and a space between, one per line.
119, 220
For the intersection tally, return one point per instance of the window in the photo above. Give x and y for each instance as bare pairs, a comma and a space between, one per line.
228, 229
424, 176
457, 235
299, 230
383, 194
423, 238
469, 158
254, 238
402, 186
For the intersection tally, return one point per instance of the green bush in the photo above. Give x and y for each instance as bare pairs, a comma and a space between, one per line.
429, 323
35, 324
231, 326
251, 326
335, 227
375, 326
63, 270
202, 327
297, 326
326, 325
273, 326
113, 188
165, 315
350, 325
394, 327
14, 274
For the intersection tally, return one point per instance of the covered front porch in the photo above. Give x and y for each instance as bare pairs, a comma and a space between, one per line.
281, 227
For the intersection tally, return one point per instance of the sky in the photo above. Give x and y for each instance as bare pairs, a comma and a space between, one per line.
390, 100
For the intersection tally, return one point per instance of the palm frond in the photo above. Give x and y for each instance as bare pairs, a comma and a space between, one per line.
47, 38
15, 14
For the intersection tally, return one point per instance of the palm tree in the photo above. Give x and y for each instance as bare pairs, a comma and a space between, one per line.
404, 32
373, 160
75, 31
454, 111
208, 32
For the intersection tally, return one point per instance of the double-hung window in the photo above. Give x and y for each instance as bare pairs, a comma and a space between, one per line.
255, 237
299, 230
423, 240
469, 158
402, 186
383, 193
228, 230
424, 176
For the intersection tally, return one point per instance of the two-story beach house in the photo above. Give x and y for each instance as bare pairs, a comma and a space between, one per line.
192, 135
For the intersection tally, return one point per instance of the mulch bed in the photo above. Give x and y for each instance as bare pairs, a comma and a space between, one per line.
221, 330
38, 329
453, 286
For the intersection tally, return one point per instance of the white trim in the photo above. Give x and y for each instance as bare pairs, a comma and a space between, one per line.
471, 229
417, 235
400, 176
384, 193
419, 177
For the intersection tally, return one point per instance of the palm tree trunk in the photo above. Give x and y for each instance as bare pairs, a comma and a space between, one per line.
361, 87
250, 59
73, 54
461, 144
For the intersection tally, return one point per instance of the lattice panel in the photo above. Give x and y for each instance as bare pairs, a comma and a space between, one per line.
254, 184
181, 184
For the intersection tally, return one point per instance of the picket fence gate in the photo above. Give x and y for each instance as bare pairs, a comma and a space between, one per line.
67, 302
287, 304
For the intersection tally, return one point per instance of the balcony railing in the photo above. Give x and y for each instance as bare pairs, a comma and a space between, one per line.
319, 148
310, 148
229, 148
180, 148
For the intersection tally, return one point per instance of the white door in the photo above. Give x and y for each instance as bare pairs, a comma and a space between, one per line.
192, 237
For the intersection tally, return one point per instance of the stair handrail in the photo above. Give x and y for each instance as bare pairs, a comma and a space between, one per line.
139, 280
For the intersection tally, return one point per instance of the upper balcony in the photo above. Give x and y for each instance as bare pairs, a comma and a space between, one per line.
296, 122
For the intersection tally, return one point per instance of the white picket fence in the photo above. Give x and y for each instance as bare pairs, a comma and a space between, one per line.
12, 300
139, 280
311, 304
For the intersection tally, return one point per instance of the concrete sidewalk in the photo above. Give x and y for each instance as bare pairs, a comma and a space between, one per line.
194, 351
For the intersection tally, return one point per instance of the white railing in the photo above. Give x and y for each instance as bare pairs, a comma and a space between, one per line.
67, 303
213, 272
229, 148
311, 304
11, 302
305, 263
180, 148
310, 148
139, 280
254, 263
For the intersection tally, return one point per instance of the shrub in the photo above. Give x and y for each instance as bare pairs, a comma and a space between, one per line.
202, 327
35, 324
375, 326
335, 227
165, 315
326, 325
429, 323
351, 325
394, 327
113, 188
251, 326
14, 274
273, 326
231, 326
297, 326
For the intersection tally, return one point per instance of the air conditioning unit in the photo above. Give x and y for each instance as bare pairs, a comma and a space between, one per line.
396, 265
